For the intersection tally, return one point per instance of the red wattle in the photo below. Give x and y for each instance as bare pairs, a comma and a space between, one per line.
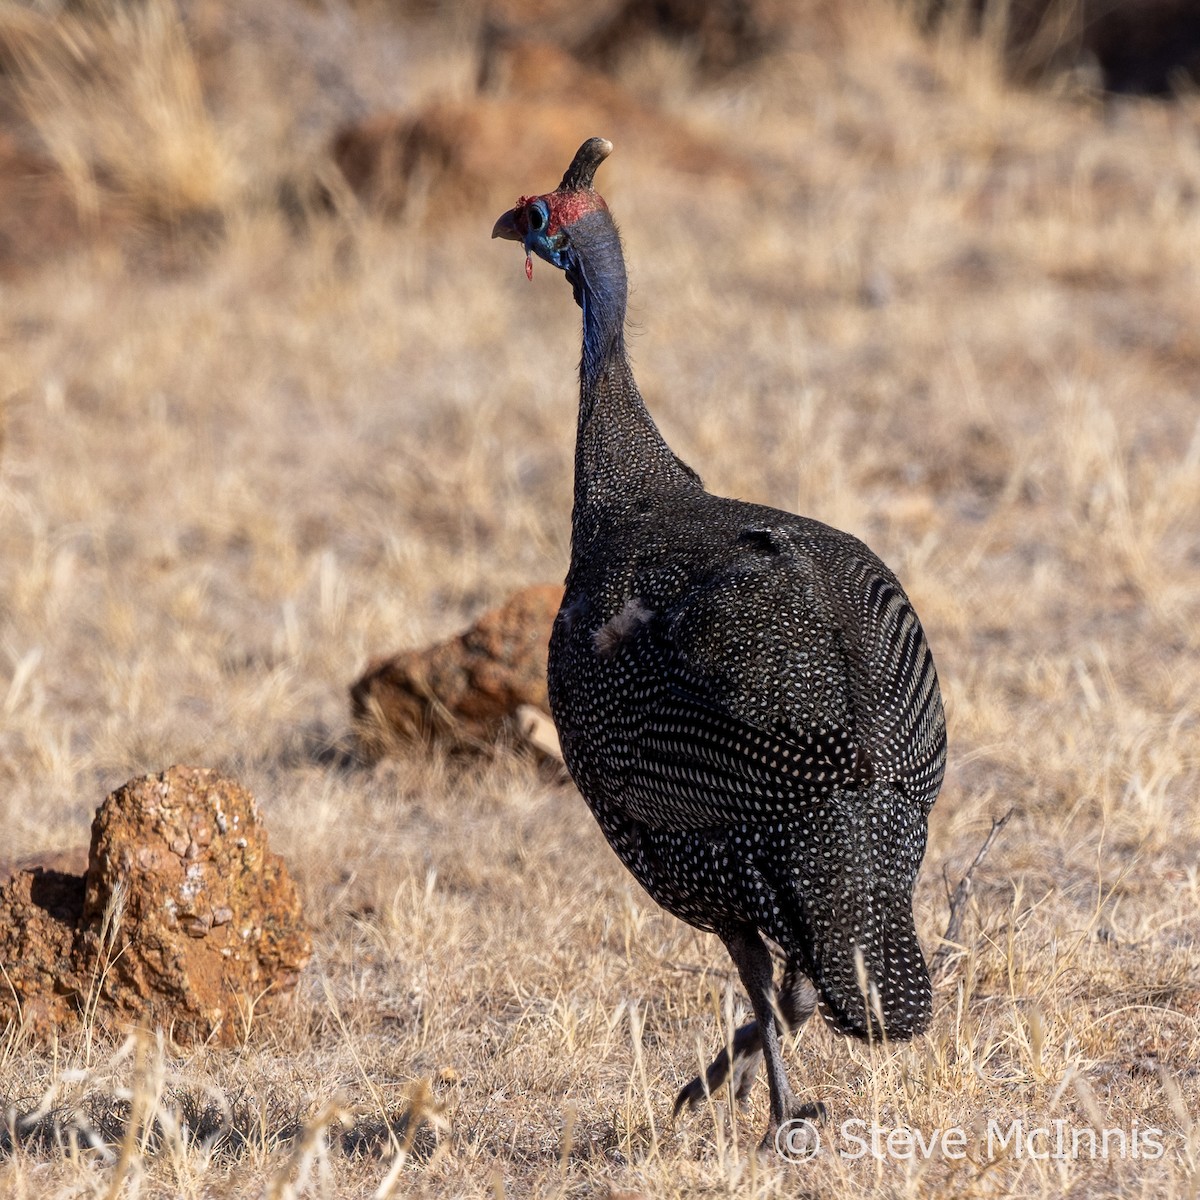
529, 266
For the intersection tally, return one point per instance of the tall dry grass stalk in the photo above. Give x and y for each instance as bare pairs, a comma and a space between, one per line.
113, 90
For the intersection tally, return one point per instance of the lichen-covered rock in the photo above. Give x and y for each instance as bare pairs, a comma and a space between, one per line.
463, 688
184, 919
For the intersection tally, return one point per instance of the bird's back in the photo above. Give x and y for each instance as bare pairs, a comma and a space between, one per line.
749, 706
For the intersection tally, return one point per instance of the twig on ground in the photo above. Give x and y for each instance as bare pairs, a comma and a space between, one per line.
958, 901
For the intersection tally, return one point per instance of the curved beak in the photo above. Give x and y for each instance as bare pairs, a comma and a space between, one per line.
506, 227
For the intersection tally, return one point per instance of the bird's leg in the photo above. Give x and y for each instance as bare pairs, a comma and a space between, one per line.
797, 996
797, 1000
753, 961
747, 1054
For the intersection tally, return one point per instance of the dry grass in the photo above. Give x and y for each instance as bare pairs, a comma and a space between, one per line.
113, 92
956, 319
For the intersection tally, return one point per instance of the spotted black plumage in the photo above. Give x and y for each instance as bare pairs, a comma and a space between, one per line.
744, 697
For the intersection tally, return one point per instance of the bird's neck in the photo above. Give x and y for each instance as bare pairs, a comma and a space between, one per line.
621, 460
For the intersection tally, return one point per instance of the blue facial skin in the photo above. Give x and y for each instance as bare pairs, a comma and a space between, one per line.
590, 255
553, 249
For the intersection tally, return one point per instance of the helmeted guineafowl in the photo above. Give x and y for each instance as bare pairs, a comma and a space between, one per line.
745, 698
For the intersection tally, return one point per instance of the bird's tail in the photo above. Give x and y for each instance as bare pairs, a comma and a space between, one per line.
869, 969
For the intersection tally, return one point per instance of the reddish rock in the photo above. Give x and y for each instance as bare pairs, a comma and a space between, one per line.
184, 919
39, 979
211, 917
537, 105
447, 156
463, 688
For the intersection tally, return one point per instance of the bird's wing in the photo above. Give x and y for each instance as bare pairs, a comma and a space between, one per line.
695, 765
778, 691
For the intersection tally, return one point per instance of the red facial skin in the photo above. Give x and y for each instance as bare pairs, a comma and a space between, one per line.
565, 208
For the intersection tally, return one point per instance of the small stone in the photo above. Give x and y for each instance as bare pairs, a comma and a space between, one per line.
197, 927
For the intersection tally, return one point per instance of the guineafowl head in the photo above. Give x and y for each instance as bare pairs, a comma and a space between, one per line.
571, 228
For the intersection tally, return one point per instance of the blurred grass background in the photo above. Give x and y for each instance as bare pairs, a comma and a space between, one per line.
273, 403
